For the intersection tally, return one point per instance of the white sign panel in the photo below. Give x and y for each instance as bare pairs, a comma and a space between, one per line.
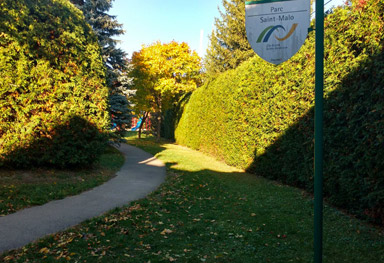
276, 29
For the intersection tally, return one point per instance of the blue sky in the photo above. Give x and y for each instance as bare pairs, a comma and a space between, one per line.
146, 21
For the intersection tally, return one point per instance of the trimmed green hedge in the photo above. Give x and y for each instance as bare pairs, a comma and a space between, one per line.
53, 101
260, 117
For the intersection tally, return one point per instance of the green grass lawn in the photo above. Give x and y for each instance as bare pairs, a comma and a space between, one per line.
23, 188
207, 211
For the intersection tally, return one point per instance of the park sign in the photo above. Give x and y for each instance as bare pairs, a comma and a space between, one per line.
276, 29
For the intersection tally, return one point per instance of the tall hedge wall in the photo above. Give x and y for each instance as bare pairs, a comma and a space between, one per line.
260, 117
53, 100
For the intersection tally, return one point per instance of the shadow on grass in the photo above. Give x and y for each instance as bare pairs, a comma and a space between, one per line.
237, 217
209, 212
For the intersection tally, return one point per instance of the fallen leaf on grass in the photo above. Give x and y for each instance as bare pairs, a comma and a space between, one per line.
166, 231
8, 258
44, 250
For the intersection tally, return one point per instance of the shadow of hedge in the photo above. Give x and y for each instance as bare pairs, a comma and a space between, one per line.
354, 145
172, 118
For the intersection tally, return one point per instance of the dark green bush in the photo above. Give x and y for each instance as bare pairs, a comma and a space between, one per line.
51, 77
72, 143
260, 116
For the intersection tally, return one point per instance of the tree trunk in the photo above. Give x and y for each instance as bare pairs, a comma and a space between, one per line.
159, 104
144, 118
158, 126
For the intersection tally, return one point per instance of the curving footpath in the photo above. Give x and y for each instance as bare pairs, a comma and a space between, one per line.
140, 175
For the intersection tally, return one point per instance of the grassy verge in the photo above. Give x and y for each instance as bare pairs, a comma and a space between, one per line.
23, 188
208, 212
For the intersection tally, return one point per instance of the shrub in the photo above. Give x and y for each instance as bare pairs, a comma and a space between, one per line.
260, 116
51, 77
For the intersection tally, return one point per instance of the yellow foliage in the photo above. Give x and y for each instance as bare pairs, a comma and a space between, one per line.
164, 72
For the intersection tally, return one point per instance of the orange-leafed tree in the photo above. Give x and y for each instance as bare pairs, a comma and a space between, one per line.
162, 74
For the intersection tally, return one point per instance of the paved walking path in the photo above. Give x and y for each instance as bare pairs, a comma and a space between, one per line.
140, 175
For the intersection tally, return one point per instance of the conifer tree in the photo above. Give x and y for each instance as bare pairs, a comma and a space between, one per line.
228, 42
106, 27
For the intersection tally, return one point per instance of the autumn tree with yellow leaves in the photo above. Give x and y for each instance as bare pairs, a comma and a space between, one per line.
162, 74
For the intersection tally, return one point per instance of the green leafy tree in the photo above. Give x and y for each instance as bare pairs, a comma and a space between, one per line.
162, 74
228, 45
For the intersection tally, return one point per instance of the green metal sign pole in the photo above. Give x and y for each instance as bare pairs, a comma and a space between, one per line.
319, 83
